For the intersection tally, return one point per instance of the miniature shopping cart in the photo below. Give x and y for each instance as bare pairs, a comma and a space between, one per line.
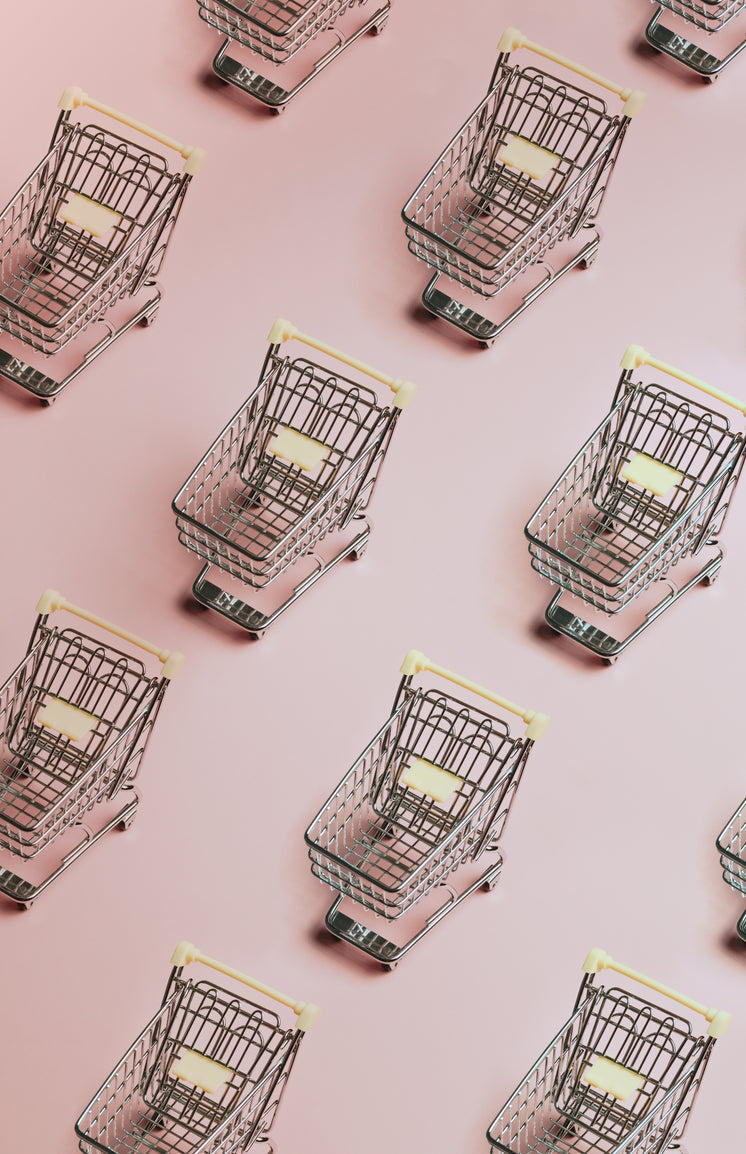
206, 1074
281, 33
429, 795
528, 169
619, 1078
649, 490
732, 849
711, 17
75, 718
88, 229
298, 462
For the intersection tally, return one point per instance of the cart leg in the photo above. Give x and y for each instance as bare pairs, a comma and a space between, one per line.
252, 620
274, 96
741, 927
679, 48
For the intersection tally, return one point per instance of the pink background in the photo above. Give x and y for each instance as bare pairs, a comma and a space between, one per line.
611, 841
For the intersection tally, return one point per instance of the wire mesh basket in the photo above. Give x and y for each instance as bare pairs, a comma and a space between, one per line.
430, 794
89, 228
649, 490
709, 16
206, 1074
619, 1078
284, 32
75, 718
731, 846
297, 464
528, 170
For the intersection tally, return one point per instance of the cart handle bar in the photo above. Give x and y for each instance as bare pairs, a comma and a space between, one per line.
635, 356
719, 1019
173, 662
634, 99
283, 330
195, 157
307, 1013
416, 662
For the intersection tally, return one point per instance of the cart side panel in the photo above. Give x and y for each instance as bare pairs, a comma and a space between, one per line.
273, 30
732, 848
703, 13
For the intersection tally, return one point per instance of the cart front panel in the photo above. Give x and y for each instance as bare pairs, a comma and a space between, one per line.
253, 513
273, 29
56, 277
732, 848
482, 221
385, 844
707, 14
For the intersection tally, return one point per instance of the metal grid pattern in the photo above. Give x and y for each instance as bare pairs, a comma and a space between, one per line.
554, 1112
708, 14
47, 780
253, 514
143, 1109
385, 845
732, 848
482, 222
55, 278
274, 30
605, 539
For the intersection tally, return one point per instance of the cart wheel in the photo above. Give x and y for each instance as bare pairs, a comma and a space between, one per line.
361, 550
256, 635
489, 886
148, 319
587, 261
377, 29
24, 905
486, 344
389, 966
711, 578
47, 402
711, 79
278, 109
125, 823
610, 660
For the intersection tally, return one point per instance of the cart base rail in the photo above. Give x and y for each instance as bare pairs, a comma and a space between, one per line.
273, 95
603, 644
23, 892
679, 48
486, 331
253, 620
47, 389
386, 952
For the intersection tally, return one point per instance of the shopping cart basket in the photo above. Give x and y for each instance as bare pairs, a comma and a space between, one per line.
732, 849
619, 1078
528, 169
650, 489
281, 33
710, 16
430, 794
88, 228
75, 718
206, 1074
298, 462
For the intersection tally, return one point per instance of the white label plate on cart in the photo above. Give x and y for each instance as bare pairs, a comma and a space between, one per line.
66, 719
612, 1078
201, 1071
299, 449
650, 474
529, 158
430, 779
89, 215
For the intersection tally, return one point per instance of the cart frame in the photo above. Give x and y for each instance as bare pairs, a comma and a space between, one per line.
248, 1047
280, 42
482, 220
708, 15
731, 845
556, 1108
58, 275
386, 844
295, 508
53, 779
572, 535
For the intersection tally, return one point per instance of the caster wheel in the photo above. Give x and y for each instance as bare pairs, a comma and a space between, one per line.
587, 261
389, 966
489, 886
356, 554
710, 79
486, 344
125, 823
278, 109
47, 402
148, 320
256, 635
609, 660
711, 578
24, 905
377, 29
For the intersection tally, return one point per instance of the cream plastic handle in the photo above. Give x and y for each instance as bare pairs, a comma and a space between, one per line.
634, 99
195, 157
719, 1020
635, 356
416, 662
283, 330
173, 662
307, 1013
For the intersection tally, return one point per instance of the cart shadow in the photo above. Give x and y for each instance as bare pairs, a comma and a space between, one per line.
671, 68
418, 314
564, 647
210, 83
216, 623
733, 944
333, 948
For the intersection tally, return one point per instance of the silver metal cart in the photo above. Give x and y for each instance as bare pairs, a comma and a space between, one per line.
206, 1074
75, 719
649, 490
619, 1078
528, 170
297, 464
708, 16
732, 849
310, 32
87, 230
428, 796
